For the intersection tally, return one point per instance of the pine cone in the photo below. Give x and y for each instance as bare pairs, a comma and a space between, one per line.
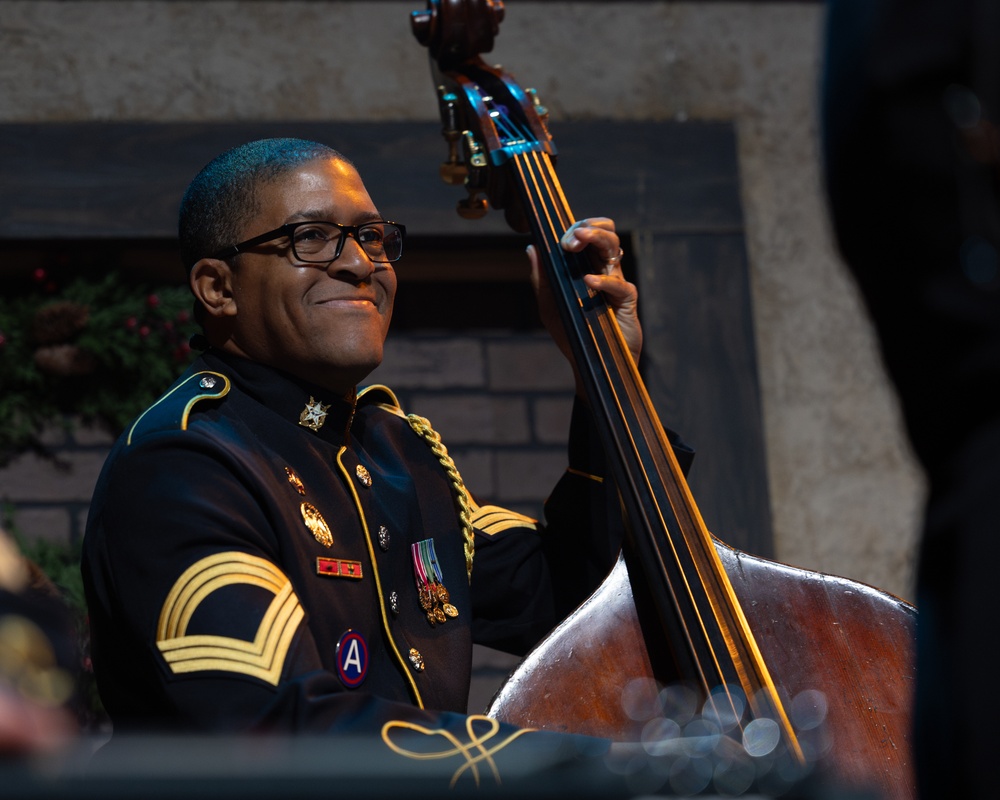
59, 322
64, 360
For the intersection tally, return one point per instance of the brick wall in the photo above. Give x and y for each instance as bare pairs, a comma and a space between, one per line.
501, 402
47, 495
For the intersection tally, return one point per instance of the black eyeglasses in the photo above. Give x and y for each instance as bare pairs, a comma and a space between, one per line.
323, 242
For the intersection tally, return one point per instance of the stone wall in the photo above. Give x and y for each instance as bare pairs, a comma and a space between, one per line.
501, 402
845, 493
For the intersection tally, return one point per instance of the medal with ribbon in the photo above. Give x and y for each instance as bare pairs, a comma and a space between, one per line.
434, 597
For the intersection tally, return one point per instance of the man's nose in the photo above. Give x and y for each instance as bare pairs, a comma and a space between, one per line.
352, 258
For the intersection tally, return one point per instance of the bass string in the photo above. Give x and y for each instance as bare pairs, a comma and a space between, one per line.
552, 217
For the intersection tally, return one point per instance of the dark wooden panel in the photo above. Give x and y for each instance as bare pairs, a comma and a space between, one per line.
700, 365
657, 176
125, 180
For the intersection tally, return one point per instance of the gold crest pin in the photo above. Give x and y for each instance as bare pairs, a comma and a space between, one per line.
313, 415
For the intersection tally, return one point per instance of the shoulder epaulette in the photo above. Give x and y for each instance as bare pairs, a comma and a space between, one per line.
381, 396
171, 411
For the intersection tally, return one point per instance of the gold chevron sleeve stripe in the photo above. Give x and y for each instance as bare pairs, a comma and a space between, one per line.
494, 519
211, 573
282, 608
262, 658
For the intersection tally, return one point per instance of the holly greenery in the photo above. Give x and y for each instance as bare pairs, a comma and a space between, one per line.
97, 349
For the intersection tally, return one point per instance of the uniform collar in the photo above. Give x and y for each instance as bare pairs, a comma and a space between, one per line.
316, 409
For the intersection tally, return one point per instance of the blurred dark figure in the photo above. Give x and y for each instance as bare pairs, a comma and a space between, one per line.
910, 104
39, 659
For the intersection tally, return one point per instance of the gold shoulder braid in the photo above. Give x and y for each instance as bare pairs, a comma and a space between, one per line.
423, 429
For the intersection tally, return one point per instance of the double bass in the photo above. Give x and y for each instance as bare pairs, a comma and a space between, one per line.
774, 649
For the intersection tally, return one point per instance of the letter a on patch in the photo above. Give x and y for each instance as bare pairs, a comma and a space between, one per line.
352, 659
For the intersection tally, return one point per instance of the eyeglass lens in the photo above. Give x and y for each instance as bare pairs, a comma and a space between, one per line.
320, 241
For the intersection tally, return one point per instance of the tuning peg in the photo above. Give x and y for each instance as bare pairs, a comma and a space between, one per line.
477, 158
473, 206
453, 173
542, 111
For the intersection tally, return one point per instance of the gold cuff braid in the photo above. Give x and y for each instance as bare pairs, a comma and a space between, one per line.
423, 428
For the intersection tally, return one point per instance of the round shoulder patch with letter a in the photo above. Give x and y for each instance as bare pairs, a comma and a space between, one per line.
352, 659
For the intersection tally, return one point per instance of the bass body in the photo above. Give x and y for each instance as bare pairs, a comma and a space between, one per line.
850, 643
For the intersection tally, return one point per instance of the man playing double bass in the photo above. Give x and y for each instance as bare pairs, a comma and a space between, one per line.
271, 549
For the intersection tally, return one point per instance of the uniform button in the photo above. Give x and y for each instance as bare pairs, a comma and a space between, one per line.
416, 659
383, 537
394, 602
363, 475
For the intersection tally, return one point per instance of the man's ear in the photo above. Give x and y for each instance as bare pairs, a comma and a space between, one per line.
212, 284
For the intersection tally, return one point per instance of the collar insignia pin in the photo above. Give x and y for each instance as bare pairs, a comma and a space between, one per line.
313, 415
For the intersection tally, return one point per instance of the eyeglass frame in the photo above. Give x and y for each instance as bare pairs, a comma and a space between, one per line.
289, 228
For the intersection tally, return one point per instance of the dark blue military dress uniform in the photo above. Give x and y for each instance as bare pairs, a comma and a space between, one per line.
263, 557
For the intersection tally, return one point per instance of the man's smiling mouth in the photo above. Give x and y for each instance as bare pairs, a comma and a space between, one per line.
348, 302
